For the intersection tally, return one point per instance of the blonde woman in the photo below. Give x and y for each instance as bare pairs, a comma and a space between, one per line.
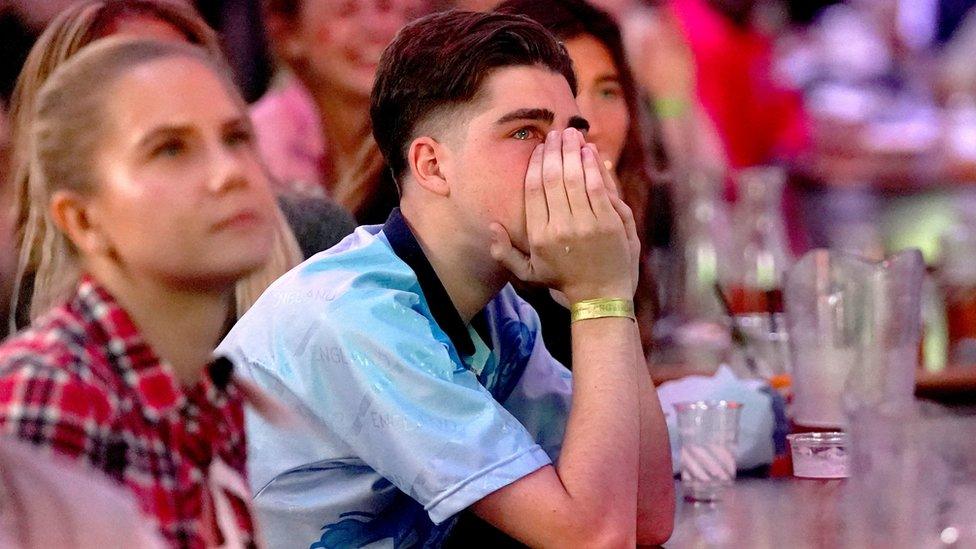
143, 164
75, 28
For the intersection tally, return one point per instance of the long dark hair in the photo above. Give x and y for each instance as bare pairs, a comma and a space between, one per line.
642, 161
640, 166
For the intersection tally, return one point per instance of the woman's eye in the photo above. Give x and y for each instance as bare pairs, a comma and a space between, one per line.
171, 147
238, 137
612, 92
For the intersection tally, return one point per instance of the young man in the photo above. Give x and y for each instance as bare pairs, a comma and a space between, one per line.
423, 381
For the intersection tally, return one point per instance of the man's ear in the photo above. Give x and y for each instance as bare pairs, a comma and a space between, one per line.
426, 160
72, 214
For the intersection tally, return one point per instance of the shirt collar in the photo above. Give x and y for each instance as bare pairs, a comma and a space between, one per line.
407, 248
149, 377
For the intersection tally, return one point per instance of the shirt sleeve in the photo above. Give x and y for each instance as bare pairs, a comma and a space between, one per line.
385, 379
541, 399
47, 406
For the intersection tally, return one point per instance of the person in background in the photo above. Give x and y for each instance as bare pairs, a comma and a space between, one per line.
73, 29
664, 68
422, 376
314, 122
609, 100
317, 224
143, 157
50, 502
758, 119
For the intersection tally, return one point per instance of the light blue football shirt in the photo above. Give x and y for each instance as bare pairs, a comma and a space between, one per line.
408, 416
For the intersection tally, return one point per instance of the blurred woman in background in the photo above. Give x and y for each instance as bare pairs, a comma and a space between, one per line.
314, 123
143, 158
608, 99
73, 29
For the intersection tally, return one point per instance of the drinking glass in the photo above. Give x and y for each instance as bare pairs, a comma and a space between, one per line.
708, 432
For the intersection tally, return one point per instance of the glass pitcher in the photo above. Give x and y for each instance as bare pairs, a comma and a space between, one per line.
854, 331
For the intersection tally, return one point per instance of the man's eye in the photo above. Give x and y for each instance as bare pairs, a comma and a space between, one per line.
524, 134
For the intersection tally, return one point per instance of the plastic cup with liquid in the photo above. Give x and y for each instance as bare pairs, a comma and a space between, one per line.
708, 431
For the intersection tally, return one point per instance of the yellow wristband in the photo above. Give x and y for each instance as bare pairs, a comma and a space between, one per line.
602, 308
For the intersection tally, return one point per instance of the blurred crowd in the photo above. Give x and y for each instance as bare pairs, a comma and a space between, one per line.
741, 134
307, 70
867, 105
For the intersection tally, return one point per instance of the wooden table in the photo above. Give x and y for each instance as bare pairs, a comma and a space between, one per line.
952, 386
759, 513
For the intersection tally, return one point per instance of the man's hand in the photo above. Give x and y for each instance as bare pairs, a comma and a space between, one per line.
581, 237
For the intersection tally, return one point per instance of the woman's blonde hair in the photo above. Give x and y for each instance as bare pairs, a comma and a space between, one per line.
42, 249
359, 188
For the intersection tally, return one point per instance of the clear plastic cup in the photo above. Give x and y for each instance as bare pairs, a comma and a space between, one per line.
708, 431
820, 455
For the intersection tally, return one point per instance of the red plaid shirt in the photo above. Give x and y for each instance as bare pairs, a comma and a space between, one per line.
83, 382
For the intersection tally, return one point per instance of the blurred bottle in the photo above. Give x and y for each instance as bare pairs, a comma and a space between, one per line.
755, 280
706, 245
699, 331
753, 284
957, 277
932, 345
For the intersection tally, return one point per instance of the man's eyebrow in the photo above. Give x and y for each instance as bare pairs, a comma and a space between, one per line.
544, 115
579, 123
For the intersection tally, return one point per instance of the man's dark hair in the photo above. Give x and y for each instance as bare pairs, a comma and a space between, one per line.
441, 60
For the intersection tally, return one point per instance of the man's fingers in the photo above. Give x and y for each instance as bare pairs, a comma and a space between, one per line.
609, 178
503, 252
596, 189
630, 227
627, 216
536, 211
552, 180
573, 175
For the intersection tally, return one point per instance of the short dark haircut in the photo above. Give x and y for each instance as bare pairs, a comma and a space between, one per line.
440, 61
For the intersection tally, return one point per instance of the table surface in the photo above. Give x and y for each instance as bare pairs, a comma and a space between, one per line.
788, 512
954, 385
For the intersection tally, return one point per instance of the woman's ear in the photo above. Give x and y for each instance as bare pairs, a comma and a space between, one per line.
426, 159
72, 214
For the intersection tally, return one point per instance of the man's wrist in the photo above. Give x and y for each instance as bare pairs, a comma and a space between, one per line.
576, 295
602, 308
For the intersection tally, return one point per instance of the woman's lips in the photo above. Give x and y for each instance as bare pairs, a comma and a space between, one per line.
242, 219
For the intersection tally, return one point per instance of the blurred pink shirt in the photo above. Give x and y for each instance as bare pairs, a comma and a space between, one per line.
759, 118
291, 140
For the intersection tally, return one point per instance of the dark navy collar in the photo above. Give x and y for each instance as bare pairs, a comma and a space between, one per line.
445, 314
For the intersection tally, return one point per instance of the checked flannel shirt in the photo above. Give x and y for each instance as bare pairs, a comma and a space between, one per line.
83, 382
